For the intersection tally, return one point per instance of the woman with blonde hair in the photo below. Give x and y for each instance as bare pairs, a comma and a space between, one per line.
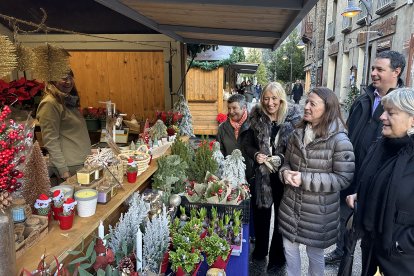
271, 124
63, 127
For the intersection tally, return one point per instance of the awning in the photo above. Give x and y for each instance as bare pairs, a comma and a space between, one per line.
244, 67
246, 23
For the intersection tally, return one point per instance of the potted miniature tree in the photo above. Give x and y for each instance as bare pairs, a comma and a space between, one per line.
132, 171
66, 217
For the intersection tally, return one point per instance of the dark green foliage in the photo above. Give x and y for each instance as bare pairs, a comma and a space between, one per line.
183, 150
203, 163
194, 49
350, 98
170, 175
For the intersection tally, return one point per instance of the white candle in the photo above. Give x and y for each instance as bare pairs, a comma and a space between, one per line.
101, 232
139, 250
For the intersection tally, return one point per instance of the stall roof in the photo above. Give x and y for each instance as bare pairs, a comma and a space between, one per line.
246, 23
244, 67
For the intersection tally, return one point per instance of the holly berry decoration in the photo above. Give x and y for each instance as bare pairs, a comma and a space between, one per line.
13, 142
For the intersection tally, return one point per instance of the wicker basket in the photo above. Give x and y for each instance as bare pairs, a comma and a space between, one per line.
142, 159
222, 209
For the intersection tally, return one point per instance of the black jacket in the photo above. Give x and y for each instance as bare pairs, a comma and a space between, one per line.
228, 142
297, 91
389, 187
364, 128
257, 139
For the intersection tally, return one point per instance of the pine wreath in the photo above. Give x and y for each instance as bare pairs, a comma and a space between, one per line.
8, 59
51, 62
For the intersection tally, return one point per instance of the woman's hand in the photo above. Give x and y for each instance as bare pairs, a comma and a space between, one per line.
350, 200
65, 175
260, 158
292, 178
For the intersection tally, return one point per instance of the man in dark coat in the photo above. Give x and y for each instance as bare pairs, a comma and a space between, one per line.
297, 91
364, 126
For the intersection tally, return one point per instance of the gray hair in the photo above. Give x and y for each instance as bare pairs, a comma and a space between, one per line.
401, 98
237, 98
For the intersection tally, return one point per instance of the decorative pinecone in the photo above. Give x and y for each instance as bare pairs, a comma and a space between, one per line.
126, 265
5, 200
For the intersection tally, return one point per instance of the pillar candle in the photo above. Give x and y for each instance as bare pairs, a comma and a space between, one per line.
139, 250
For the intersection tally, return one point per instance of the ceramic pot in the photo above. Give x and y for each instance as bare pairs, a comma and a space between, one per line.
132, 177
56, 211
66, 222
220, 263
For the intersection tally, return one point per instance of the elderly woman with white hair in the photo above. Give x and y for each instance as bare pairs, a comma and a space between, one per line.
385, 193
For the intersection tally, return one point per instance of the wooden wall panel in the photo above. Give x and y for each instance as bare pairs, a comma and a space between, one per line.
204, 118
204, 86
132, 80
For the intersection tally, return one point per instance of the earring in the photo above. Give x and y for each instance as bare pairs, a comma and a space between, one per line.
410, 131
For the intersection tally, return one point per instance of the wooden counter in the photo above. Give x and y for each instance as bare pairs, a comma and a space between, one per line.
58, 242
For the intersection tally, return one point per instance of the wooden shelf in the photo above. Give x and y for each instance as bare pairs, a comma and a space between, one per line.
58, 242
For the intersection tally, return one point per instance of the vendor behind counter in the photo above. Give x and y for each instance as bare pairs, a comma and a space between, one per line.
64, 131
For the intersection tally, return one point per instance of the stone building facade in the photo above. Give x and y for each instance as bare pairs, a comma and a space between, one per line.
392, 28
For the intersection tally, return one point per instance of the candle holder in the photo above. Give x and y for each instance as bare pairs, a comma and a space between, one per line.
87, 200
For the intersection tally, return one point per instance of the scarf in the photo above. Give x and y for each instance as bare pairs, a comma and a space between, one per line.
237, 125
378, 179
309, 135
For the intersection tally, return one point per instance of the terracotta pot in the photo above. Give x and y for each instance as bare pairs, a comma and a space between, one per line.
56, 211
66, 222
220, 263
181, 272
132, 177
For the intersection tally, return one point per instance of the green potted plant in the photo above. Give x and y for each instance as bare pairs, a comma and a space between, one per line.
185, 262
217, 251
132, 171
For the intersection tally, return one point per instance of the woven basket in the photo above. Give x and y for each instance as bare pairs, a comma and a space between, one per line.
142, 159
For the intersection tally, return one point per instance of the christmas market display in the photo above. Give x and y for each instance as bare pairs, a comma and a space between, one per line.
144, 201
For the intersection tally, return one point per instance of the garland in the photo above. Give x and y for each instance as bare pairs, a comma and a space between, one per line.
210, 65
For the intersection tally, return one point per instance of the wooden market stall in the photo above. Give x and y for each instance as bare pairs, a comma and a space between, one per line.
58, 243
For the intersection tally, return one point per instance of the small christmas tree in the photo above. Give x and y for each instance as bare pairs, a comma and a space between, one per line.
183, 150
126, 229
186, 124
155, 241
170, 175
36, 179
203, 163
350, 98
234, 169
219, 157
158, 130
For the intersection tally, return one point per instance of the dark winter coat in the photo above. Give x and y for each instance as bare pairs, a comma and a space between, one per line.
364, 128
297, 91
386, 204
309, 214
257, 139
228, 142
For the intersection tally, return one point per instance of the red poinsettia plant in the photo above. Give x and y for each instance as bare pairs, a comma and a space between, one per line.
171, 120
20, 90
210, 144
221, 117
91, 113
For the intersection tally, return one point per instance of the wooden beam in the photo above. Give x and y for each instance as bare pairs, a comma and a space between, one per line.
191, 29
228, 43
308, 5
277, 4
136, 16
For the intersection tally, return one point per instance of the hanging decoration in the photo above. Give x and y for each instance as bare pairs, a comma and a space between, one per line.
51, 63
8, 59
25, 57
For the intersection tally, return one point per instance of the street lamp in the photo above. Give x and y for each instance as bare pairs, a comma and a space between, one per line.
350, 11
300, 45
285, 57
